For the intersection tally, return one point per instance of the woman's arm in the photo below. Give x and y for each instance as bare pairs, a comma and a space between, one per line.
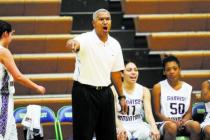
205, 96
148, 108
148, 113
8, 61
156, 93
188, 114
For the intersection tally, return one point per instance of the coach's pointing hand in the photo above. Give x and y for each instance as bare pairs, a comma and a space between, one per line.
73, 45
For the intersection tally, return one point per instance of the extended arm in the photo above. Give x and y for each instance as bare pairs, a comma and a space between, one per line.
73, 45
8, 61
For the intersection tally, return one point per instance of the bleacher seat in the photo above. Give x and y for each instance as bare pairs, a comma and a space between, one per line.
195, 77
39, 43
179, 41
19, 114
43, 100
165, 6
45, 63
55, 83
172, 22
29, 7
40, 24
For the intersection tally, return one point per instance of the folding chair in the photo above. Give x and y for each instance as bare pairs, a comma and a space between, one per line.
47, 117
64, 116
19, 114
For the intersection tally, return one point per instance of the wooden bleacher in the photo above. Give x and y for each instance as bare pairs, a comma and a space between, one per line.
165, 6
45, 63
47, 100
29, 7
179, 41
55, 83
50, 43
195, 77
172, 22
51, 70
40, 24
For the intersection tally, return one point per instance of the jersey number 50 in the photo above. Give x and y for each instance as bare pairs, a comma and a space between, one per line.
177, 108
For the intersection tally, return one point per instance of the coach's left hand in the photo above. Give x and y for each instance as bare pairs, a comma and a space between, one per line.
123, 105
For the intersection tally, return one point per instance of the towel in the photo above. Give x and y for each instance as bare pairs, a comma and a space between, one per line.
31, 121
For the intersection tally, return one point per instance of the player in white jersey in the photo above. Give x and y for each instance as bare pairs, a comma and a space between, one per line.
8, 71
205, 94
138, 100
172, 103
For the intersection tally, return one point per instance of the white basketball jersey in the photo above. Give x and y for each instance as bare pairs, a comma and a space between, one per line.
135, 112
175, 103
11, 81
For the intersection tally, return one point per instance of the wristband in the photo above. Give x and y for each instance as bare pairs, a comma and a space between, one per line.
121, 96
